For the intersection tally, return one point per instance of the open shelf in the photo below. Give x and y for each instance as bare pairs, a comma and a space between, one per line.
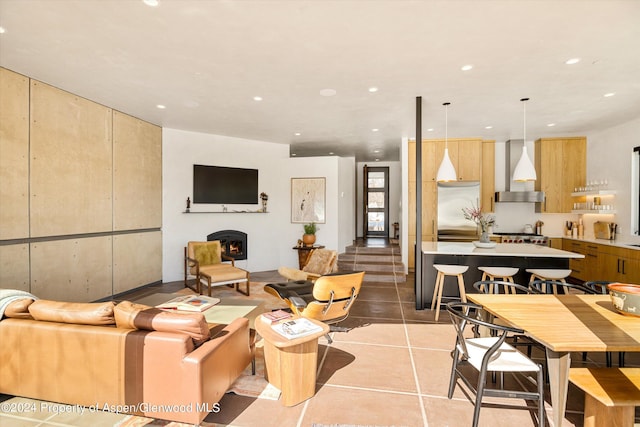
594, 211
222, 212
594, 193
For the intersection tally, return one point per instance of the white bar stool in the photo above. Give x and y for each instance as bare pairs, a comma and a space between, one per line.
549, 274
504, 273
443, 271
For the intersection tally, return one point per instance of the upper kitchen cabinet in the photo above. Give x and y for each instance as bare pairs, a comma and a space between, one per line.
561, 165
429, 163
466, 156
488, 181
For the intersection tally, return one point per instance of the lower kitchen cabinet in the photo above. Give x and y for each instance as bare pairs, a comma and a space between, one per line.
603, 262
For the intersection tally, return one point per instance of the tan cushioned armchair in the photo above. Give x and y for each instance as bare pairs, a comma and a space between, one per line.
204, 261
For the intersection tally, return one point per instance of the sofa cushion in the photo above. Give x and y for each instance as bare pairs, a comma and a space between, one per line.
19, 309
92, 313
130, 315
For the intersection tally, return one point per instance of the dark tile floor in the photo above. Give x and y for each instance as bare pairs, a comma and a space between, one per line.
391, 369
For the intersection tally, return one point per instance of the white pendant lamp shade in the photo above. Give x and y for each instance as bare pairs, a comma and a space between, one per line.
446, 171
524, 171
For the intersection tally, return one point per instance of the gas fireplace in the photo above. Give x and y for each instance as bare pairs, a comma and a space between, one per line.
233, 242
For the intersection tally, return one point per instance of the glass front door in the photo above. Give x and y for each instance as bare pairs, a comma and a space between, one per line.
376, 201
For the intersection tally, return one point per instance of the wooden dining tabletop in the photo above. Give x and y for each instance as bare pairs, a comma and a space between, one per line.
565, 324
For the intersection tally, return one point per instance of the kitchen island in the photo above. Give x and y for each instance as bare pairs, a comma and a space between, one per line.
518, 255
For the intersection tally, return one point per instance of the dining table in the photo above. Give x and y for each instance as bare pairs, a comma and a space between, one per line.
564, 324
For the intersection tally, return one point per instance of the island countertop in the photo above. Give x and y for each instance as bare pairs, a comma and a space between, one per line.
500, 250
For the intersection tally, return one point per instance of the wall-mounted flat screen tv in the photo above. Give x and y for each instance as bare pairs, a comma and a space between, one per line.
218, 184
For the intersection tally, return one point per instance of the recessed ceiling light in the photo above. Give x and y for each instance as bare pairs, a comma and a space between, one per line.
2, 30
466, 67
297, 134
328, 92
551, 125
375, 130
160, 106
488, 127
293, 154
257, 98
331, 153
572, 61
376, 151
373, 89
152, 3
430, 130
377, 160
608, 95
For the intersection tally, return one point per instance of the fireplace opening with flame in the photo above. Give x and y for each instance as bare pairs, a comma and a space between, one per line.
233, 243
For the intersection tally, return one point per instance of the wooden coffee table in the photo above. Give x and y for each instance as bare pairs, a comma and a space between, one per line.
291, 364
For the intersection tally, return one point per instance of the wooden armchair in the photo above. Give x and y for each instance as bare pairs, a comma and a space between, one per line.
204, 261
319, 263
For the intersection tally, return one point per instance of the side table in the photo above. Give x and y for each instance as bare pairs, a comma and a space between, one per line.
291, 364
304, 252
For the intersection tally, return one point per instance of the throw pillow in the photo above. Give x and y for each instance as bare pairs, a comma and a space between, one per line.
96, 313
130, 315
19, 309
320, 262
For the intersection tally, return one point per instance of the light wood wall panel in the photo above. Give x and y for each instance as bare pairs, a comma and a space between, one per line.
14, 155
71, 163
137, 173
137, 260
77, 270
14, 267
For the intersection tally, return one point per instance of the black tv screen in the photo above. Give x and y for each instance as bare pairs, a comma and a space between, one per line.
217, 184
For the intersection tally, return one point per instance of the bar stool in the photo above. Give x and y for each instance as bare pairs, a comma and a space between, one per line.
549, 274
443, 271
504, 273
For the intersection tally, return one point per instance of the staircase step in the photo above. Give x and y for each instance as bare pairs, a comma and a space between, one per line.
380, 264
371, 258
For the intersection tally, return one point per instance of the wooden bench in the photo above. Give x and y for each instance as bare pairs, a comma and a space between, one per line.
610, 395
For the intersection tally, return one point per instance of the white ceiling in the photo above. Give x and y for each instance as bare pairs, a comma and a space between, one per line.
205, 61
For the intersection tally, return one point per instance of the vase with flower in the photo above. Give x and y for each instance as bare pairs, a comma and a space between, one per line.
482, 220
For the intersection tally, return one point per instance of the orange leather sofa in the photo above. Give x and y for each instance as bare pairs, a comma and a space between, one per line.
120, 358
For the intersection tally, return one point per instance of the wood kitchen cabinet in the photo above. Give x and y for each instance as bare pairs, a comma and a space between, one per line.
619, 265
561, 165
577, 265
466, 156
488, 176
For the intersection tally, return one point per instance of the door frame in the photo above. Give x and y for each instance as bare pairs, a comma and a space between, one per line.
365, 201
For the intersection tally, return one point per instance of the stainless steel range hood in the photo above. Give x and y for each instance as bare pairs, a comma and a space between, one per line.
516, 191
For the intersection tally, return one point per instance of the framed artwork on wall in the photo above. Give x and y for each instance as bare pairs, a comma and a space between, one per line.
308, 200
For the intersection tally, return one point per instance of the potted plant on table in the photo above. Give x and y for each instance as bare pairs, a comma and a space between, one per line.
309, 236
483, 221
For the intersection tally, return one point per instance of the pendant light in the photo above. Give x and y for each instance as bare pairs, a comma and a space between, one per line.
524, 171
446, 171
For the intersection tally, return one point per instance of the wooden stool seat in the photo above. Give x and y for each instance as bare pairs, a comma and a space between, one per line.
443, 271
611, 394
548, 274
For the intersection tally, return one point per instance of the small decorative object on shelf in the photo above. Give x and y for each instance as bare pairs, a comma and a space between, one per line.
264, 197
474, 213
188, 204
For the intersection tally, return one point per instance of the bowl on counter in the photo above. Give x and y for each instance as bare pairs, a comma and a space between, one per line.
625, 298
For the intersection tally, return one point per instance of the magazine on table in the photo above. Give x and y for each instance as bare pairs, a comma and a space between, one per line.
296, 328
275, 316
190, 303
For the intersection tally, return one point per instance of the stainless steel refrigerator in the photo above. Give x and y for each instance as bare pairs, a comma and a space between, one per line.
452, 198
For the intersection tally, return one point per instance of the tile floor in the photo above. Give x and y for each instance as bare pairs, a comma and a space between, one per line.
391, 369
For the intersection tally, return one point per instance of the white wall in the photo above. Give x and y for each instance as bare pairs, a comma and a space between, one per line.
346, 201
395, 193
271, 236
609, 156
